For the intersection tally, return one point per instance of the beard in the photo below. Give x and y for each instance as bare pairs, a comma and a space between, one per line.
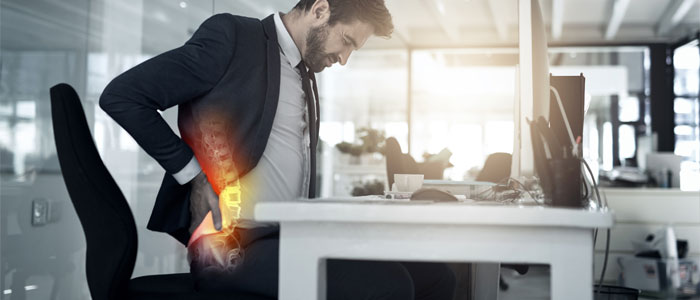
315, 56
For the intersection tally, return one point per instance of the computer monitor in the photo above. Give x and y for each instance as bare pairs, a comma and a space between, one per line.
532, 97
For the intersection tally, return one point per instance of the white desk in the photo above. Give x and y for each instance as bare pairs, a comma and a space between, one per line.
312, 232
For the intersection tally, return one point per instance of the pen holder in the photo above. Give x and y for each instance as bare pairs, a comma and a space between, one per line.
566, 182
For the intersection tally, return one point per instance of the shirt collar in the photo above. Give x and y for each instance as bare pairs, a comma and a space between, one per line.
289, 49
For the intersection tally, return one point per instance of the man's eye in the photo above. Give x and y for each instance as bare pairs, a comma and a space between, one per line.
346, 42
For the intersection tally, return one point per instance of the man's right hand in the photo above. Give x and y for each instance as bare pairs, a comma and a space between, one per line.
202, 200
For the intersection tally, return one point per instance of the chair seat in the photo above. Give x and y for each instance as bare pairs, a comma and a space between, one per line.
178, 287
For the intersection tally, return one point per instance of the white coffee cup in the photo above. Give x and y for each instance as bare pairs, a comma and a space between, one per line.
408, 182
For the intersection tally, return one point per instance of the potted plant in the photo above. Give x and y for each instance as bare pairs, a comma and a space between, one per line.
374, 187
371, 142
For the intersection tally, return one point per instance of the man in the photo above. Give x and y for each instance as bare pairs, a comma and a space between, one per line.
248, 117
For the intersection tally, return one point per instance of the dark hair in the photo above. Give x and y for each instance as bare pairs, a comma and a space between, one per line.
372, 12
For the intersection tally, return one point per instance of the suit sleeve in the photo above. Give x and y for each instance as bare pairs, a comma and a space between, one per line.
180, 75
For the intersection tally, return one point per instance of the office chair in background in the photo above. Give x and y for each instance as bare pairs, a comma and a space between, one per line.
496, 168
398, 162
110, 230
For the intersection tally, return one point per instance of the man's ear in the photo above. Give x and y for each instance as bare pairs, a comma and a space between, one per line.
320, 12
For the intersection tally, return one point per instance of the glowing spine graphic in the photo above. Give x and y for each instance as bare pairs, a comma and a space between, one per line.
224, 247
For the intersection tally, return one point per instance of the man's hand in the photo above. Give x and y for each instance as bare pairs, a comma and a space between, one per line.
202, 200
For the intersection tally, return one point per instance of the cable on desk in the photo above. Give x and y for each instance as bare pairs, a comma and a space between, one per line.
595, 185
587, 195
526, 190
506, 191
595, 236
607, 238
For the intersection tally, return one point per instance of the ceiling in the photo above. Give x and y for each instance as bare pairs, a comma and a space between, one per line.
455, 23
468, 23
418, 23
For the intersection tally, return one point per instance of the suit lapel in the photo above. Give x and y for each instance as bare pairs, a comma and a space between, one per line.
272, 86
273, 61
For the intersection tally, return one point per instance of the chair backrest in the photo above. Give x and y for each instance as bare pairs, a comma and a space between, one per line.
110, 230
397, 162
496, 168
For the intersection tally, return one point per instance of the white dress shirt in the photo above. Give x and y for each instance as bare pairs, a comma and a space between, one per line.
283, 170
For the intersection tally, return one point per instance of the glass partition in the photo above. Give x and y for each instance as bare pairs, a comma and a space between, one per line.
84, 43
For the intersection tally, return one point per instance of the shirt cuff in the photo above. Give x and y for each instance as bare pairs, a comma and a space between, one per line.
187, 173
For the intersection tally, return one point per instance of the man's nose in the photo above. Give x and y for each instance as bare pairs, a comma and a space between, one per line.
343, 57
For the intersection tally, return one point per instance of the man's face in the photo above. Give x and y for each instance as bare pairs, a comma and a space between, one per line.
326, 45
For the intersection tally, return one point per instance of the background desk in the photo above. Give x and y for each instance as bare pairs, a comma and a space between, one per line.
641, 211
312, 232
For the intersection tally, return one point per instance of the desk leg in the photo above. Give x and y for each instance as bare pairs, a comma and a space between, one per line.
486, 278
302, 274
572, 269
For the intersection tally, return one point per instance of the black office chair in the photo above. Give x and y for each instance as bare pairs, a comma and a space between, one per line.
110, 230
398, 162
496, 168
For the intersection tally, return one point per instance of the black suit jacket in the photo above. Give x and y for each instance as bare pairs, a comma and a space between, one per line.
231, 65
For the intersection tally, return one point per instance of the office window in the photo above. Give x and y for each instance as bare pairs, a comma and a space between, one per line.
628, 109
686, 106
368, 94
686, 61
616, 96
462, 100
28, 145
627, 141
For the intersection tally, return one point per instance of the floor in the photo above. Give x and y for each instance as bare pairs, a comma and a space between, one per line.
534, 285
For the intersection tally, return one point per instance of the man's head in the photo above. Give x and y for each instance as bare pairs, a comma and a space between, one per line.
335, 28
